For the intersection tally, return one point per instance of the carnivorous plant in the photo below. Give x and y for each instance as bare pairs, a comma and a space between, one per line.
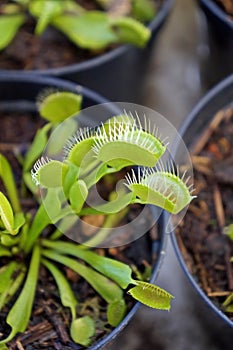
88, 29
90, 154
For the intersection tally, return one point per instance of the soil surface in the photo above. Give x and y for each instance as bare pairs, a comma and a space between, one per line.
49, 324
30, 52
205, 248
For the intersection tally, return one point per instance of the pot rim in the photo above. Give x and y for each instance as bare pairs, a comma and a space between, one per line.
194, 115
158, 245
218, 12
108, 56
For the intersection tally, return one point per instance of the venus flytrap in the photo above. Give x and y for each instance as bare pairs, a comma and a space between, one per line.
92, 30
89, 155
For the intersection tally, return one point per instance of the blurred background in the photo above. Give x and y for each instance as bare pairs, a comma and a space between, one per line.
185, 63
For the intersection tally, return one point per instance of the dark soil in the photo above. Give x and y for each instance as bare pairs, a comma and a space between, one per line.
49, 324
30, 52
206, 250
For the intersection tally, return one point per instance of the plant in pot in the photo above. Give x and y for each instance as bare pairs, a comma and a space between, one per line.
203, 249
31, 248
93, 36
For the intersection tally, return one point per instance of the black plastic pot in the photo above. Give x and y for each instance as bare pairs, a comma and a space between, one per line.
215, 321
118, 74
218, 16
220, 40
19, 92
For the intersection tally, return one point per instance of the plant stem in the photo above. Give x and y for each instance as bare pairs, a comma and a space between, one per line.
111, 221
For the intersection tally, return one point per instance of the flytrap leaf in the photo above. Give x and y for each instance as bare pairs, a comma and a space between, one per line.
151, 295
228, 303
144, 10
8, 180
11, 278
77, 195
9, 26
125, 144
111, 268
116, 312
78, 149
90, 30
82, 329
58, 106
67, 296
163, 189
49, 173
228, 230
130, 31
20, 313
5, 251
106, 288
6, 214
45, 11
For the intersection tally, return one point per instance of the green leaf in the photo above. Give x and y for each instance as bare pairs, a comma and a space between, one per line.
9, 183
80, 151
49, 173
144, 10
127, 144
111, 268
228, 303
160, 188
107, 289
70, 178
39, 223
9, 240
78, 194
62, 133
67, 296
20, 313
45, 10
6, 273
19, 221
4, 251
88, 31
11, 282
151, 295
9, 26
42, 219
58, 106
130, 31
82, 329
37, 147
6, 214
116, 312
228, 230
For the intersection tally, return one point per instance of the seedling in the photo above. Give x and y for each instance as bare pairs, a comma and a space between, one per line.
93, 30
90, 155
